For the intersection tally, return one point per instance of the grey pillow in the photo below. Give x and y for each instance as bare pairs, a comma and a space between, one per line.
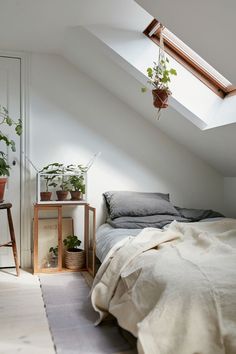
126, 203
198, 214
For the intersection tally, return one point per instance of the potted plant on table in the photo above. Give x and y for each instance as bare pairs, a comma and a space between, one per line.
62, 194
4, 166
77, 187
49, 174
74, 256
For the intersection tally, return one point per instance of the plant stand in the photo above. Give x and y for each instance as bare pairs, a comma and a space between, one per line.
89, 236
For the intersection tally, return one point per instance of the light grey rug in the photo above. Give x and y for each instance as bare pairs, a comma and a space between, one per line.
71, 318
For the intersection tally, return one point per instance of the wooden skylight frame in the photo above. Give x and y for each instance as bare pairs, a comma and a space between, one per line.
189, 59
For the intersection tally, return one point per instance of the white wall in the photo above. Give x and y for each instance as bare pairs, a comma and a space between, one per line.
230, 196
72, 117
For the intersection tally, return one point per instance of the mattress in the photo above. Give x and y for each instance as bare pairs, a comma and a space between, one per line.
107, 237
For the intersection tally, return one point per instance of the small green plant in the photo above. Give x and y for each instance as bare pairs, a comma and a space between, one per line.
72, 243
4, 167
77, 183
160, 75
50, 172
54, 251
6, 120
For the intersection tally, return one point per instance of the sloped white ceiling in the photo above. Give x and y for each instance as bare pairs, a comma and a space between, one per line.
40, 26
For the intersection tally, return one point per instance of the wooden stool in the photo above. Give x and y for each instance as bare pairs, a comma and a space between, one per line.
11, 243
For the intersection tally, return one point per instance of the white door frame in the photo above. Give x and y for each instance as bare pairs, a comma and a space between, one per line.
25, 195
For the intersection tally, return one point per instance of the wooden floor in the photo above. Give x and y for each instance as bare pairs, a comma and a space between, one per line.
23, 322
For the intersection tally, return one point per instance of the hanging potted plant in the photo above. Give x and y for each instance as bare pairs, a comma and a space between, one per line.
74, 256
4, 166
160, 77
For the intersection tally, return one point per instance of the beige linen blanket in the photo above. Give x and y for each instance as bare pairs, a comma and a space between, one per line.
174, 289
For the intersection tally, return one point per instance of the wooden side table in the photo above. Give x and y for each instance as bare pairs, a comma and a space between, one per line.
89, 233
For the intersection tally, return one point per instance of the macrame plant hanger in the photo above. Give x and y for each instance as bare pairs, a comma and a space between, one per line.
161, 56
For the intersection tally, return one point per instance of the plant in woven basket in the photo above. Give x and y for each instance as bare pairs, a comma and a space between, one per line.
74, 256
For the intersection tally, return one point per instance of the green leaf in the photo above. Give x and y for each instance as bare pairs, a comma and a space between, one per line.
13, 146
18, 129
150, 72
164, 80
143, 89
173, 71
4, 167
5, 139
9, 121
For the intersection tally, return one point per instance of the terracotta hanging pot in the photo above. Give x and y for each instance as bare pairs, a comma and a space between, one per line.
3, 182
160, 98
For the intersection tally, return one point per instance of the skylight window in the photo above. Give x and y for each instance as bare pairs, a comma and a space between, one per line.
188, 58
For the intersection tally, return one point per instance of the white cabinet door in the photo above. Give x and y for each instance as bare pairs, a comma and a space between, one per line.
10, 98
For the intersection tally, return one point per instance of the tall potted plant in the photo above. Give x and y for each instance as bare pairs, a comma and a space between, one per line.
4, 167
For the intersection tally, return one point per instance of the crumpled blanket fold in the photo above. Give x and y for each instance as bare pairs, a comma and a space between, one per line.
174, 289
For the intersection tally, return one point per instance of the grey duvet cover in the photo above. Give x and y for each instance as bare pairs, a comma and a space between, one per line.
160, 220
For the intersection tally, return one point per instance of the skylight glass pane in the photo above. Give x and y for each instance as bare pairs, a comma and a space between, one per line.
177, 43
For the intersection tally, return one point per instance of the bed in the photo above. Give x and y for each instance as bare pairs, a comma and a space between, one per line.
173, 286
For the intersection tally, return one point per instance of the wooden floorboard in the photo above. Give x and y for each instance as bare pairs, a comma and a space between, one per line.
23, 321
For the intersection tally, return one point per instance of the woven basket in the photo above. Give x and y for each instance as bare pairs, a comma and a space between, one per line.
75, 260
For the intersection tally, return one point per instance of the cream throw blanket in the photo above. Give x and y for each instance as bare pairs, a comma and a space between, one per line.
174, 289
